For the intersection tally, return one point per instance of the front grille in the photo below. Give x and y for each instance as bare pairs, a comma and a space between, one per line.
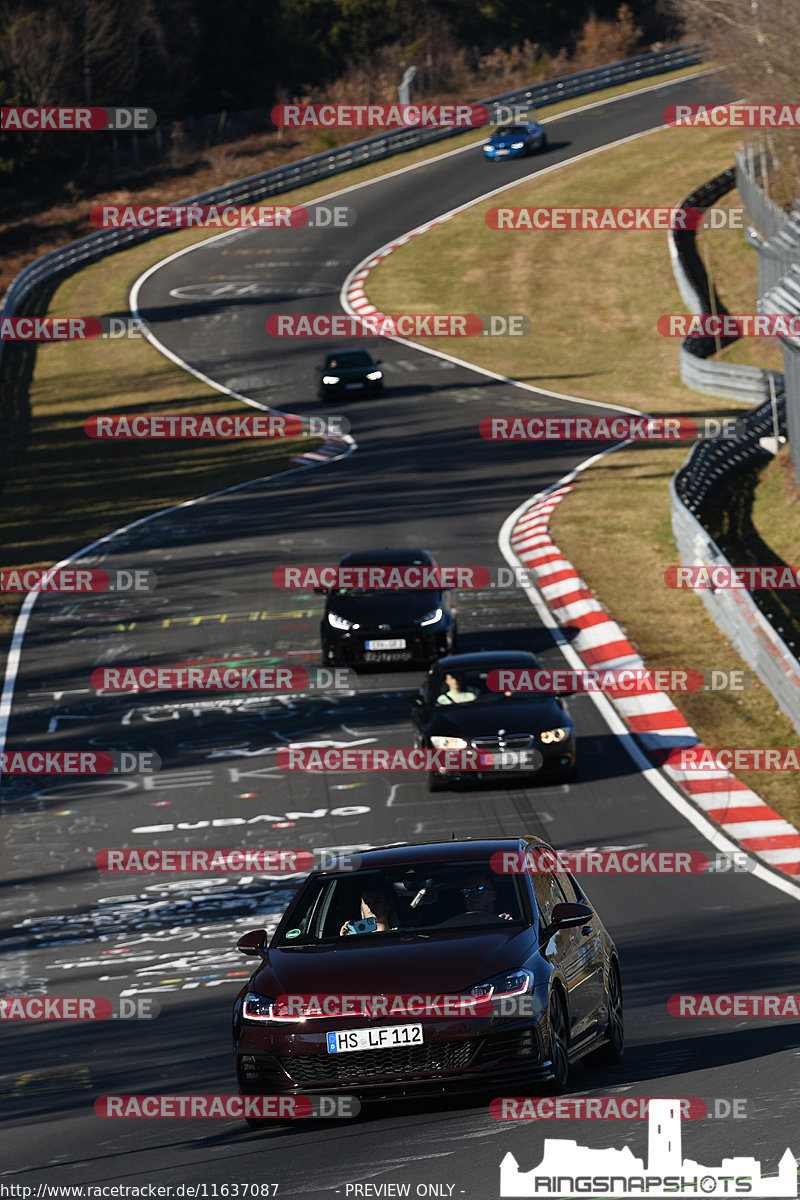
517, 741
371, 1064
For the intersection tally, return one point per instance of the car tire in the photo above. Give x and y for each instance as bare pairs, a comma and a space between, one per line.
559, 1042
437, 784
611, 1053
543, 144
571, 773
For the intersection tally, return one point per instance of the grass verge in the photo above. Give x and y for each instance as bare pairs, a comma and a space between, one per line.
594, 299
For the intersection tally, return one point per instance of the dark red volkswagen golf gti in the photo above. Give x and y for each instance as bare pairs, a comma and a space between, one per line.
423, 969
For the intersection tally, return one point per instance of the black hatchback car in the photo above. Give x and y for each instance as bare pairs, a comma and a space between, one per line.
456, 710
488, 969
349, 372
365, 625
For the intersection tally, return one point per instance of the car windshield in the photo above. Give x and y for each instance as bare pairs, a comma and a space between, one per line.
385, 570
349, 358
470, 685
423, 899
508, 130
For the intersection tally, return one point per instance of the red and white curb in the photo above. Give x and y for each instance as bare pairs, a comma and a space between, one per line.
656, 723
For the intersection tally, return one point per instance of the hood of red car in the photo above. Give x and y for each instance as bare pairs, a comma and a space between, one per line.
399, 964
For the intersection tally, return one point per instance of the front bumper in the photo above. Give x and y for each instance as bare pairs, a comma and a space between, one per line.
556, 760
496, 1054
350, 646
500, 152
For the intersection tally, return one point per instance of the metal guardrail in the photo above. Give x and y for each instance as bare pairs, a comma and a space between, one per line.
709, 462
753, 161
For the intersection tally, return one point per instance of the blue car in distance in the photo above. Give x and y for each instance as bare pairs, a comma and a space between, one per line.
514, 141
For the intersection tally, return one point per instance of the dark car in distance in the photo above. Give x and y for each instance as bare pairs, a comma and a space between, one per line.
525, 733
363, 625
349, 372
483, 975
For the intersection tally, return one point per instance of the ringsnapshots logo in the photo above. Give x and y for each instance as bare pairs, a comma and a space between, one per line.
574, 1172
76, 120
405, 325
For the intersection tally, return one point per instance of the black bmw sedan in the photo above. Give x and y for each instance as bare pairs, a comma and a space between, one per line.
527, 734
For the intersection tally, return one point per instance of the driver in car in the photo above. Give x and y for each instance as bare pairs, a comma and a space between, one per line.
455, 694
480, 895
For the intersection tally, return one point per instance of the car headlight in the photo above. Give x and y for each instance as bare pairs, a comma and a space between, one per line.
258, 1008
339, 622
511, 983
330, 378
554, 735
432, 617
375, 375
517, 145
448, 743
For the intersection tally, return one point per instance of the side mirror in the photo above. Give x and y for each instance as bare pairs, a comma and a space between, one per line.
417, 702
253, 943
569, 916
378, 362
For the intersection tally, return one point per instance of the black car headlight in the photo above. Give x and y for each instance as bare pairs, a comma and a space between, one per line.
554, 735
433, 617
339, 622
330, 379
258, 1009
510, 983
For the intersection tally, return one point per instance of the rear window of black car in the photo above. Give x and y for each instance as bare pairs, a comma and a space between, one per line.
425, 899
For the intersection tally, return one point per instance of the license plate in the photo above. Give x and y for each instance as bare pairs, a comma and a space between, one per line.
348, 387
498, 759
342, 1040
387, 644
501, 152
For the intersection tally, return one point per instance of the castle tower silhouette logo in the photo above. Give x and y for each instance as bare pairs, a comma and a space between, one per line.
568, 1170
